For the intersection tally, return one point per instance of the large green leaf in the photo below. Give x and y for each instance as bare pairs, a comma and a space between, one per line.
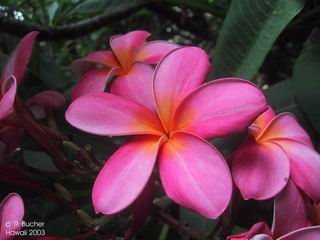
306, 79
248, 33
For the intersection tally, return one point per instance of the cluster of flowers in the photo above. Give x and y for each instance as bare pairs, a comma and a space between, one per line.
171, 111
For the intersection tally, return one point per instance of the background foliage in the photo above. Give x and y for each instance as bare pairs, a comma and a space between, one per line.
275, 43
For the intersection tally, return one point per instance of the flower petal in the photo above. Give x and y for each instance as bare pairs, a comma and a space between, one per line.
124, 46
48, 99
106, 114
125, 175
257, 231
92, 82
305, 167
290, 211
220, 108
195, 175
19, 58
260, 171
9, 90
285, 126
152, 52
11, 214
89, 62
136, 85
261, 122
177, 74
309, 233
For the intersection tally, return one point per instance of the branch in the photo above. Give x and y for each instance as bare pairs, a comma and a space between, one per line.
73, 30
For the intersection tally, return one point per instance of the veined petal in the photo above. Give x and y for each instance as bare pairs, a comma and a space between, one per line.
194, 174
124, 46
136, 85
11, 215
89, 62
305, 167
309, 233
92, 82
290, 212
220, 108
285, 126
177, 74
125, 175
9, 90
106, 114
152, 52
19, 58
260, 170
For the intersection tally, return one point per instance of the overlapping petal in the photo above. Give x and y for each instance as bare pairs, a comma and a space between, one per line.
305, 167
261, 122
126, 174
290, 212
309, 233
89, 62
219, 108
177, 74
152, 52
260, 170
194, 174
259, 230
9, 90
136, 85
124, 46
92, 82
19, 58
11, 214
107, 114
285, 126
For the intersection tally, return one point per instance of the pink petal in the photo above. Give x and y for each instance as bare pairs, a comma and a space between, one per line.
305, 167
11, 214
136, 85
125, 175
92, 82
290, 212
309, 233
19, 58
89, 62
195, 175
152, 52
257, 231
177, 74
260, 170
106, 114
285, 126
220, 108
124, 46
9, 90
48, 99
262, 121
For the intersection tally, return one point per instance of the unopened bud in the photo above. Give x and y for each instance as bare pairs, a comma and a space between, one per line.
85, 218
63, 192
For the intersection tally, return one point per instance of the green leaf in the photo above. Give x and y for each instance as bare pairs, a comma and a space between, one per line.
248, 33
306, 81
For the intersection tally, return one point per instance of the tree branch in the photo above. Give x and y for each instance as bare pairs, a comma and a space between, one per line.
73, 30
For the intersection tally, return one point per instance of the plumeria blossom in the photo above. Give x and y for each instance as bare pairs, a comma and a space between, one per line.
128, 60
192, 171
11, 215
290, 220
13, 72
277, 149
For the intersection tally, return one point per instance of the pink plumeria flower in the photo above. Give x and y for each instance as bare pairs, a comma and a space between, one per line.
11, 215
277, 149
290, 220
12, 74
192, 171
128, 61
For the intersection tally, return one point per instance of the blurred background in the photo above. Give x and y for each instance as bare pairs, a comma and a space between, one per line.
274, 43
